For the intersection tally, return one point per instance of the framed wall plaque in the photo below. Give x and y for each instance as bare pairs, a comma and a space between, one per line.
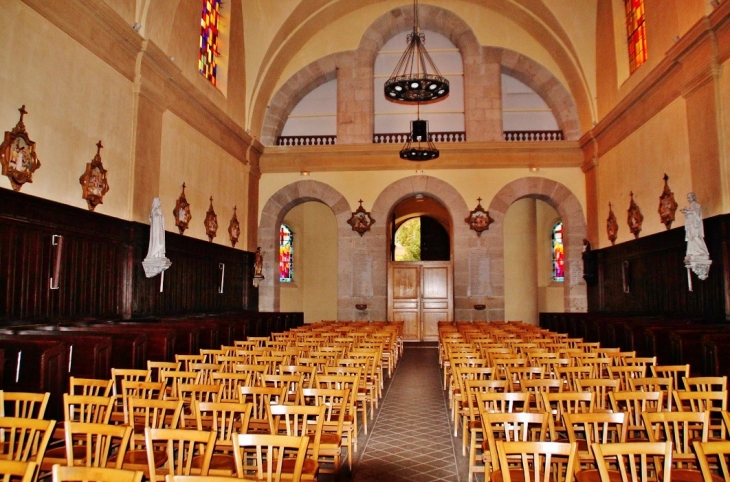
94, 184
234, 229
667, 205
611, 225
18, 156
635, 218
479, 219
361, 220
211, 222
181, 213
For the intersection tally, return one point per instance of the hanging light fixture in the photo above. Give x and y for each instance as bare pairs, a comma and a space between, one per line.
416, 78
419, 147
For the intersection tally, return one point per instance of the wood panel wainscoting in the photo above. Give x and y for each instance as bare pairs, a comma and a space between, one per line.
420, 294
647, 275
62, 262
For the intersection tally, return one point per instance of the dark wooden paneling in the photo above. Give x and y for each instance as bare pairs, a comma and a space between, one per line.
656, 277
101, 273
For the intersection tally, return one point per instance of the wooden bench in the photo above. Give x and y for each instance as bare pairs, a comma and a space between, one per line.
161, 340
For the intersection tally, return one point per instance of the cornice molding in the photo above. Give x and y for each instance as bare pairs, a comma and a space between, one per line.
466, 155
689, 64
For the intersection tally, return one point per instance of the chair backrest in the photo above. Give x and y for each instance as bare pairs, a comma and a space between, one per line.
298, 420
87, 408
336, 403
155, 367
681, 428
224, 418
24, 404
154, 413
601, 388
261, 399
231, 383
634, 404
713, 455
598, 427
99, 440
713, 402
63, 473
140, 390
655, 384
132, 374
181, 446
512, 427
538, 461
90, 386
704, 384
17, 471
262, 456
25, 439
635, 460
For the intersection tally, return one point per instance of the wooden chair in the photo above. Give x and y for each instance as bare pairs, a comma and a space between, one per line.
534, 461
655, 384
181, 448
713, 458
198, 478
185, 360
96, 444
634, 404
299, 420
261, 457
713, 402
225, 419
570, 374
539, 386
94, 474
131, 374
586, 428
136, 389
25, 439
172, 379
623, 373
511, 427
17, 471
705, 384
291, 383
143, 414
195, 392
350, 382
261, 399
231, 384
336, 404
675, 372
154, 369
601, 388
633, 461
89, 386
558, 404
681, 428
24, 404
205, 371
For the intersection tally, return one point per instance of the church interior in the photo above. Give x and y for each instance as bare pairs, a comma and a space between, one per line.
194, 172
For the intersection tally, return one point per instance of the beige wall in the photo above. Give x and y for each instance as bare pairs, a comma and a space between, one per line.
638, 164
314, 289
520, 259
73, 100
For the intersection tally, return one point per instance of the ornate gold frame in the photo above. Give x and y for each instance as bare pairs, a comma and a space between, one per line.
667, 205
635, 218
211, 222
94, 184
181, 213
234, 229
479, 219
18, 156
361, 220
611, 225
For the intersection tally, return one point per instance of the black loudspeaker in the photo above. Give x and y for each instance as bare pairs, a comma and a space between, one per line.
419, 131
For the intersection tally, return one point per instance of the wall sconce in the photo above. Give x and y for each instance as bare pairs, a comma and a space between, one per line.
304, 173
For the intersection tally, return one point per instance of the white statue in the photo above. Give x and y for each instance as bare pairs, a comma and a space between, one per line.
156, 262
697, 257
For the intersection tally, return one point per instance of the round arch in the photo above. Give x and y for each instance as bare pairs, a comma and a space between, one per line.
437, 19
570, 210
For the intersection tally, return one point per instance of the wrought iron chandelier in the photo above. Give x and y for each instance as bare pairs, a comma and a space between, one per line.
416, 78
419, 147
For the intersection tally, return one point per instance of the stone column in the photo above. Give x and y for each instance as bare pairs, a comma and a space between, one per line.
520, 251
482, 96
355, 114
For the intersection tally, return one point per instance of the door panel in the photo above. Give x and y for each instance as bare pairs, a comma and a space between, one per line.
420, 294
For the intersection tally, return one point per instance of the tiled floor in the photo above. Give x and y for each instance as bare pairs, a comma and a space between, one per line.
411, 437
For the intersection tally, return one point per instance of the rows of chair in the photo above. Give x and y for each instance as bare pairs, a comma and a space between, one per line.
286, 405
521, 394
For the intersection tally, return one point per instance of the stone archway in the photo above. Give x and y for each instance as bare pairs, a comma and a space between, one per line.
271, 217
354, 73
574, 231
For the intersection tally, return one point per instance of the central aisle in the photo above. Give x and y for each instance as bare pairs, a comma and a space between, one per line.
411, 438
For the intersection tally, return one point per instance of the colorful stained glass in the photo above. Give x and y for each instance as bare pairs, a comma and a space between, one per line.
285, 254
207, 63
636, 33
558, 253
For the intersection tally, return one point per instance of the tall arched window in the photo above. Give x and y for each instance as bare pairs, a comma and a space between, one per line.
636, 33
558, 252
208, 57
285, 254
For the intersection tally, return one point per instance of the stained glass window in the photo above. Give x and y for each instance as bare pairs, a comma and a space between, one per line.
207, 63
285, 254
636, 33
558, 253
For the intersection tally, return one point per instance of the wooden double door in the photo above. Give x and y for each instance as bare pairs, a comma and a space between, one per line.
420, 294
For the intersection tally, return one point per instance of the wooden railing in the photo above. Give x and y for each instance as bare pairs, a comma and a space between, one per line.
402, 137
306, 140
532, 136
